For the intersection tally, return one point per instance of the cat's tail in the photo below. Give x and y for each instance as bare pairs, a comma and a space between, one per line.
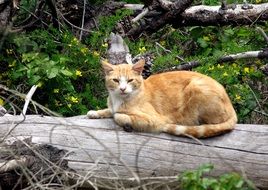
202, 131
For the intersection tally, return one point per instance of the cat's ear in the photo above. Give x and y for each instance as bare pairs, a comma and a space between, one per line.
107, 67
138, 67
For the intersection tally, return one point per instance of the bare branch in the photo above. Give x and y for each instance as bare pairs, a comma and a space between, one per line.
263, 33
28, 99
141, 15
244, 55
83, 20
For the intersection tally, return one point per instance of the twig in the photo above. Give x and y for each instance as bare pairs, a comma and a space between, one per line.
28, 99
76, 27
83, 20
260, 112
21, 95
263, 33
255, 97
138, 153
184, 66
168, 51
34, 15
141, 15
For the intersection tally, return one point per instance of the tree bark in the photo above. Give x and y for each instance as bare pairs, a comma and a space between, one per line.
100, 154
201, 15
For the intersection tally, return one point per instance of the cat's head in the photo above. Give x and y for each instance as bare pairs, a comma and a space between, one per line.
123, 80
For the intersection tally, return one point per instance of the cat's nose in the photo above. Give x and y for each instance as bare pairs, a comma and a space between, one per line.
122, 89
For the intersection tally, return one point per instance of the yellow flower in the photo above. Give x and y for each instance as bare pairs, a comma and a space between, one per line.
163, 42
78, 73
246, 70
12, 64
142, 50
1, 102
258, 1
57, 103
252, 69
206, 38
234, 65
74, 99
258, 62
84, 50
105, 45
69, 105
211, 68
237, 97
56, 90
225, 74
96, 54
40, 84
220, 66
9, 51
75, 41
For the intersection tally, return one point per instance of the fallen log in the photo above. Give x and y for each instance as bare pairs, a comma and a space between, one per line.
98, 153
200, 15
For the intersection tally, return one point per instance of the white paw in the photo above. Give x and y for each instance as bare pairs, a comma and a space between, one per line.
93, 114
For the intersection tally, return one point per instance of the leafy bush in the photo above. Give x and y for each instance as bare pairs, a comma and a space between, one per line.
66, 71
69, 77
195, 180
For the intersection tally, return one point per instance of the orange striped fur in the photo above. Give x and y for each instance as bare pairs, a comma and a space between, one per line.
178, 103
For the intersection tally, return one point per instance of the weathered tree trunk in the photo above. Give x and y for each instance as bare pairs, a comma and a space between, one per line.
179, 14
100, 154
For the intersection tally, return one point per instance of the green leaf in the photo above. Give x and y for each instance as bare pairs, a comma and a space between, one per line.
67, 73
52, 73
63, 59
34, 79
206, 168
202, 42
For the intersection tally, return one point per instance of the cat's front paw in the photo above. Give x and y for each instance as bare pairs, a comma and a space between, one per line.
122, 120
92, 114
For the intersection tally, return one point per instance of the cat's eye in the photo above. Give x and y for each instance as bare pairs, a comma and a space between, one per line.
116, 80
130, 80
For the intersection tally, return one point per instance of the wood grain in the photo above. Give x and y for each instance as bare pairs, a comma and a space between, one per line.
103, 150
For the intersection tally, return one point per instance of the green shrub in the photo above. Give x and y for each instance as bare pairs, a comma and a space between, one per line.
195, 180
67, 73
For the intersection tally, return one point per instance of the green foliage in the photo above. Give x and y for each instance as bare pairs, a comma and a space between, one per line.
68, 72
64, 69
195, 180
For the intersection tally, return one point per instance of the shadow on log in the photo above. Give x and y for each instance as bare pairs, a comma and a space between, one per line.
97, 153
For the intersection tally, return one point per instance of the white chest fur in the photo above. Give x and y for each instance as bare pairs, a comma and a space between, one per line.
116, 102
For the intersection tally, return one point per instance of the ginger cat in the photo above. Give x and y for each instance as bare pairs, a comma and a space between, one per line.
178, 102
